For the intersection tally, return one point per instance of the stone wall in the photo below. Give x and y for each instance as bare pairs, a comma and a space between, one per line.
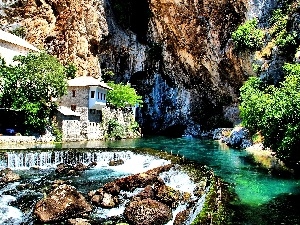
81, 98
77, 130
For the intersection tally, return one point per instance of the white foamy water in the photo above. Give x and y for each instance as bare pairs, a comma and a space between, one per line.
140, 163
197, 208
133, 163
178, 180
8, 214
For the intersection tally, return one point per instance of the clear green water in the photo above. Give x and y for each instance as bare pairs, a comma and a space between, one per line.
253, 186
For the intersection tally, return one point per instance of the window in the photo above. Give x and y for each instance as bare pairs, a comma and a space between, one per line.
73, 108
98, 95
92, 111
92, 94
101, 96
73, 93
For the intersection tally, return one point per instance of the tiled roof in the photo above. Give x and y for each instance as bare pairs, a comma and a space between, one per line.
84, 81
11, 38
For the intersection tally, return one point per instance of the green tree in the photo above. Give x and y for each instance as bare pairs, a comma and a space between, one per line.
123, 95
30, 87
248, 36
275, 112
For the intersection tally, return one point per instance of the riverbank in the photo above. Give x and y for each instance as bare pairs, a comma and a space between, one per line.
265, 158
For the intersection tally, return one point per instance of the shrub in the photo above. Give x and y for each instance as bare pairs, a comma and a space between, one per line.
19, 31
248, 36
275, 112
123, 95
115, 130
256, 68
284, 39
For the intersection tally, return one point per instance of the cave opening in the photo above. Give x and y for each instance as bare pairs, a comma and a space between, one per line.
133, 15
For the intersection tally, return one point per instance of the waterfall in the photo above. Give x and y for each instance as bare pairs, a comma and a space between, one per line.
26, 160
133, 163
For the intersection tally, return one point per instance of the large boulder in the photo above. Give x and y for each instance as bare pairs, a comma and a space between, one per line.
147, 212
141, 180
9, 176
103, 199
239, 138
63, 202
181, 217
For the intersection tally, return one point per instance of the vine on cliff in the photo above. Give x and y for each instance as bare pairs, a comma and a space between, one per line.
248, 36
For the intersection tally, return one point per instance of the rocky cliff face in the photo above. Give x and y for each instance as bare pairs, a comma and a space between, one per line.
70, 30
188, 71
176, 53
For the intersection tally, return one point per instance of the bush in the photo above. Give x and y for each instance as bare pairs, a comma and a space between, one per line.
274, 111
115, 130
248, 36
19, 31
123, 95
284, 39
30, 87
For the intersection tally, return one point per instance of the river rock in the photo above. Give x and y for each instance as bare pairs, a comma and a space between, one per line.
116, 162
78, 221
103, 199
9, 176
80, 167
63, 202
147, 212
167, 195
148, 192
92, 165
62, 168
112, 188
141, 180
239, 138
181, 217
109, 201
96, 199
70, 170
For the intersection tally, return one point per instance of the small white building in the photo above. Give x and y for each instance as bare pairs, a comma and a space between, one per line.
12, 45
86, 96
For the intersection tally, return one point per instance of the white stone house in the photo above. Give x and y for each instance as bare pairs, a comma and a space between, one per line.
80, 110
12, 45
86, 97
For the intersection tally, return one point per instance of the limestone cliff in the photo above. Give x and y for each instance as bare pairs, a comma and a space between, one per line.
184, 65
176, 53
68, 29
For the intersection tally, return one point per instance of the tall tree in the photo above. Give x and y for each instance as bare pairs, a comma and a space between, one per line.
30, 87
